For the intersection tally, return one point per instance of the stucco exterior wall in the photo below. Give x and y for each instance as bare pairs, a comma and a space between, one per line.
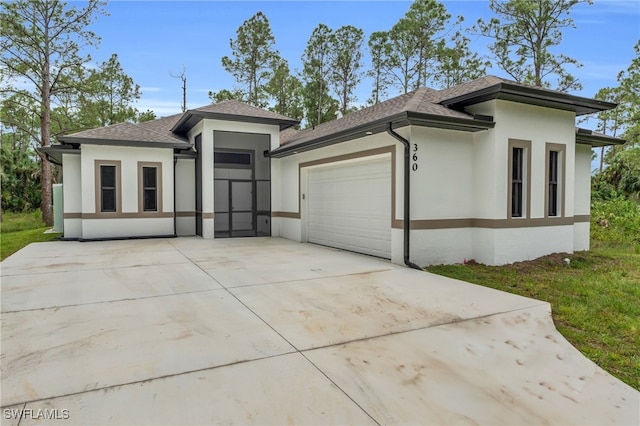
72, 195
129, 220
185, 197
582, 205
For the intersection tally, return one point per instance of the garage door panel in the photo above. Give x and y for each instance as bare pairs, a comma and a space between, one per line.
350, 206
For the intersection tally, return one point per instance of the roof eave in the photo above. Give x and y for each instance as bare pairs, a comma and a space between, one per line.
54, 153
120, 142
531, 96
182, 126
587, 137
381, 125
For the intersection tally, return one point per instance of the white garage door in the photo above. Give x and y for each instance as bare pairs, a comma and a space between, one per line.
349, 206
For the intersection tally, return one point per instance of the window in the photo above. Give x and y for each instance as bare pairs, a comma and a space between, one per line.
232, 158
554, 180
553, 183
150, 189
108, 188
519, 179
516, 182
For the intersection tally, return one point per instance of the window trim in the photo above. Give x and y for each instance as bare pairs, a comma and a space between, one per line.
561, 180
526, 176
158, 167
98, 185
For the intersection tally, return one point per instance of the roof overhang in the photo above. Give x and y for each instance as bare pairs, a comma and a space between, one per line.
588, 137
381, 125
54, 153
192, 117
532, 96
76, 141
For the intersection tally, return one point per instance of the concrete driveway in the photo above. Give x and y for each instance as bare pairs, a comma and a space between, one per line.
267, 331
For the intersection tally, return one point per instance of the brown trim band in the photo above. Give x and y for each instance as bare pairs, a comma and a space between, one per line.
72, 216
290, 215
428, 224
185, 214
142, 215
207, 215
580, 218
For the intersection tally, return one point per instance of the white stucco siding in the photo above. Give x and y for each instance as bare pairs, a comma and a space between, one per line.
540, 126
441, 246
442, 182
72, 195
124, 223
518, 244
582, 228
185, 197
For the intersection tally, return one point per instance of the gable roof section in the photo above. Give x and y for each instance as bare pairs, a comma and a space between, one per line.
148, 134
491, 87
231, 110
419, 107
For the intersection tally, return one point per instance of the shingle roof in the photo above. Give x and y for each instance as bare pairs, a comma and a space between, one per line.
231, 110
150, 132
421, 101
237, 108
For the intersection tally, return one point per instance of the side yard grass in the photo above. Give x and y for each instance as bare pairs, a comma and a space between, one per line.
17, 230
595, 299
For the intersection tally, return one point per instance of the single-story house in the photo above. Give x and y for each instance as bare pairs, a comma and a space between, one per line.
490, 170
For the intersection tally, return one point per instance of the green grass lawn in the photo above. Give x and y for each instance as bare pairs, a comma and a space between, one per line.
595, 300
17, 230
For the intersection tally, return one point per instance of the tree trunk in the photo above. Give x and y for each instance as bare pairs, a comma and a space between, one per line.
45, 136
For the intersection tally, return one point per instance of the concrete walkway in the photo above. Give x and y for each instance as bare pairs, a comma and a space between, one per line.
267, 331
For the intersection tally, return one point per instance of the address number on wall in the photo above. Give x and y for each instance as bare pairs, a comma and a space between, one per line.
414, 157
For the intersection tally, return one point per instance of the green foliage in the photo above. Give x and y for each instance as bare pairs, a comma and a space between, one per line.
227, 95
615, 221
286, 90
254, 58
20, 229
345, 59
315, 74
20, 175
524, 33
109, 96
457, 63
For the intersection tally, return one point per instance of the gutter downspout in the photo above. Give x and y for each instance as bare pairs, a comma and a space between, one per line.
407, 196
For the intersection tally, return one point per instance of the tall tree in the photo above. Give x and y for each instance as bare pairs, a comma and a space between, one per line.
183, 78
41, 43
345, 59
286, 91
316, 72
227, 95
111, 97
254, 58
415, 41
456, 63
379, 50
524, 33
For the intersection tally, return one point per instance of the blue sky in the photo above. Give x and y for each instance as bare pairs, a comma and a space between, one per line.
154, 38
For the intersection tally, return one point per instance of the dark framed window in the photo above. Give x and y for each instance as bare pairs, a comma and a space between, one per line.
517, 181
150, 189
235, 158
108, 188
553, 183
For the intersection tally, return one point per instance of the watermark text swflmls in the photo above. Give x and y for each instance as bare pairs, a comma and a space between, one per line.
36, 414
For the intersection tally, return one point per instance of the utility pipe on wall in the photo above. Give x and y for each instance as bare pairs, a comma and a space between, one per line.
407, 196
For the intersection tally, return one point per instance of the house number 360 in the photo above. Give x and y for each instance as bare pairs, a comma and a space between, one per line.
414, 166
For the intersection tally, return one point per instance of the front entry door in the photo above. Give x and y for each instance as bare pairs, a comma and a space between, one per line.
242, 219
